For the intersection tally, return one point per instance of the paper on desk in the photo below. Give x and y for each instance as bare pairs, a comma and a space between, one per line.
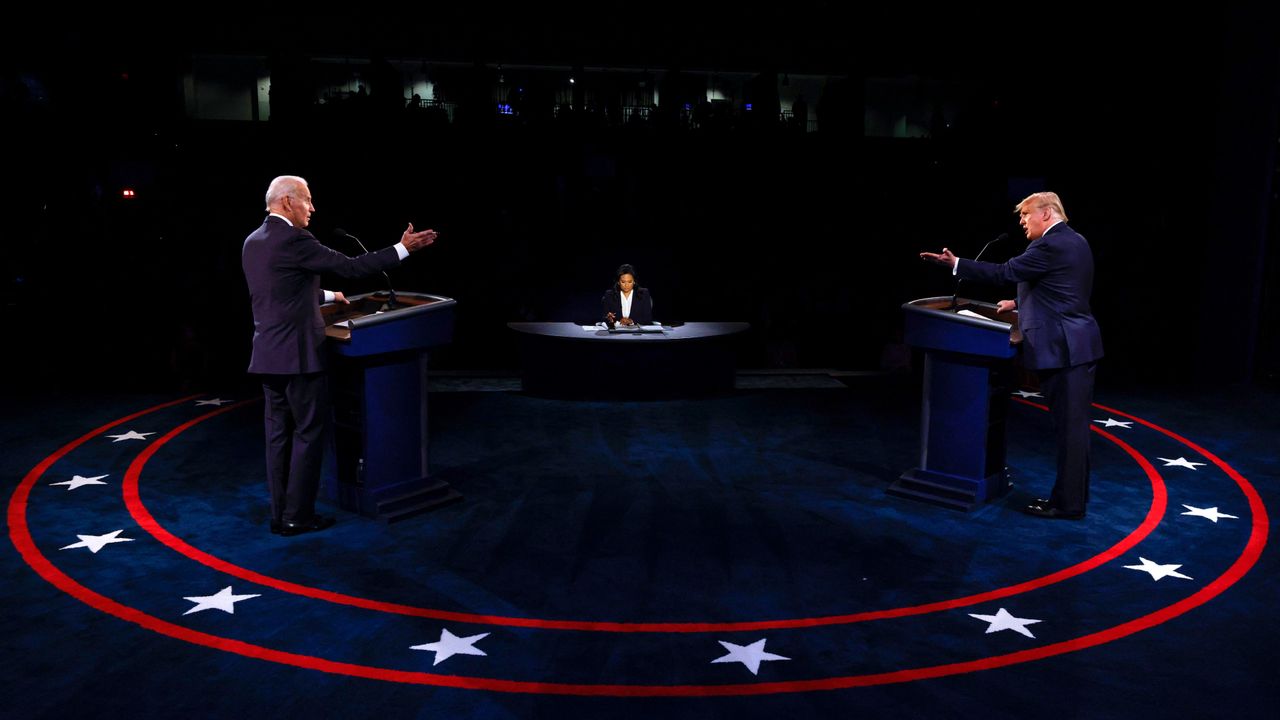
970, 313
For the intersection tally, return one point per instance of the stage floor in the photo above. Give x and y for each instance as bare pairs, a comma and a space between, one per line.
734, 556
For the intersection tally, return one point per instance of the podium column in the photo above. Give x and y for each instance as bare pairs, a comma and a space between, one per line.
378, 463
967, 368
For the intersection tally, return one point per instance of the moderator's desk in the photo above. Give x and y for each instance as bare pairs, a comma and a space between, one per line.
561, 359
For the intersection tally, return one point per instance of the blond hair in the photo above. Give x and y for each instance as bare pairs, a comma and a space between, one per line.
1035, 201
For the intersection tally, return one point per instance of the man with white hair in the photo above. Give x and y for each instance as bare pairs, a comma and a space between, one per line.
1060, 339
282, 264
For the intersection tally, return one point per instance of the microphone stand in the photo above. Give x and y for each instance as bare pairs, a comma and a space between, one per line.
956, 291
391, 291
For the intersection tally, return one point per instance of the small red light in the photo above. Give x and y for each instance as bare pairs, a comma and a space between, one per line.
127, 193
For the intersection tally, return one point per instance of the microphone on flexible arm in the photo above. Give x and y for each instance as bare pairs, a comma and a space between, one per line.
391, 303
999, 238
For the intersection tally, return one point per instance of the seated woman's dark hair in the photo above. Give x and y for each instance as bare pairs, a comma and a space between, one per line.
625, 269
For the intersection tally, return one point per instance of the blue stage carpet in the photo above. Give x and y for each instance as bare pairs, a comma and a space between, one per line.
727, 557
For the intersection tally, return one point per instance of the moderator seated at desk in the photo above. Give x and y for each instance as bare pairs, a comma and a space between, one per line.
626, 303
562, 359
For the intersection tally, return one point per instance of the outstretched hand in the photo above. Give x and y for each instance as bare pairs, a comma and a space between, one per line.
946, 257
414, 241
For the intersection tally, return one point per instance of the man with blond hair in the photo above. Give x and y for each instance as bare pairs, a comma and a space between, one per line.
1060, 338
282, 264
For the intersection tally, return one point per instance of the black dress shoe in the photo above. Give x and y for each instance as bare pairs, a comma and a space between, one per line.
315, 524
276, 526
1046, 510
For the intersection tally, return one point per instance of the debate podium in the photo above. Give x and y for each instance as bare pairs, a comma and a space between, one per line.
377, 464
967, 378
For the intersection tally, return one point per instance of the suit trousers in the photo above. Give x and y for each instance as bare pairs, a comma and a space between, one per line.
1070, 394
297, 421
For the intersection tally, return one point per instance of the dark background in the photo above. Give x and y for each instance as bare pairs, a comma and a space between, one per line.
1158, 131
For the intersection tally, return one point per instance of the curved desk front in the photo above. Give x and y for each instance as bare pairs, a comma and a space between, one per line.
562, 359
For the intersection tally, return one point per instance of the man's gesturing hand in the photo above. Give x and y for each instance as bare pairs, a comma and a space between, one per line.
945, 257
414, 241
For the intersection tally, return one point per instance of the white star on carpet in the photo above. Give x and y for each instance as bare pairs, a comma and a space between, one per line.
1028, 394
81, 481
97, 542
223, 600
1002, 620
1181, 462
750, 655
449, 645
1127, 424
216, 402
1211, 513
1158, 571
131, 435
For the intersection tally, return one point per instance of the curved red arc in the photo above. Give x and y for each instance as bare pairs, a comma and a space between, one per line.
21, 537
148, 522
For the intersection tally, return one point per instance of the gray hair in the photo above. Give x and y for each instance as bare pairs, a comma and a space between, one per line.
285, 185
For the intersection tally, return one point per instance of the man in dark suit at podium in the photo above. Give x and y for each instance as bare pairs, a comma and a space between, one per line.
1061, 340
282, 263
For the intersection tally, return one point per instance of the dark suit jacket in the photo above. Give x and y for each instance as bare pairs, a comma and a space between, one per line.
1055, 278
641, 305
282, 265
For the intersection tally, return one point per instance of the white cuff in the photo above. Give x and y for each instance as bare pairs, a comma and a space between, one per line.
402, 251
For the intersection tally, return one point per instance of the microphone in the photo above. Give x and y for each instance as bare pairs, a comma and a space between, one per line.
391, 303
999, 238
